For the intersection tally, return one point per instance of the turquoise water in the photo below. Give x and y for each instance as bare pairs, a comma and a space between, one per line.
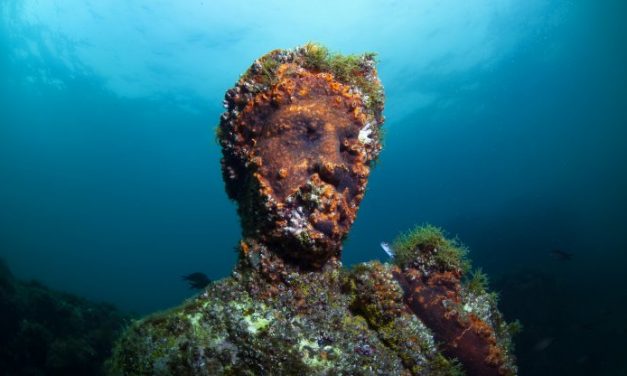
506, 125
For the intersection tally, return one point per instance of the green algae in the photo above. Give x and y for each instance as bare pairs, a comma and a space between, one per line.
430, 241
442, 366
478, 282
348, 69
357, 71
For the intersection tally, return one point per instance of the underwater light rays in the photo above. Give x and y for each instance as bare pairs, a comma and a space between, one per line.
120, 43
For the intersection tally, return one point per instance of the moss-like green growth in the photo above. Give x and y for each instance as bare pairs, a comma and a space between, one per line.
428, 244
348, 69
478, 282
425, 236
514, 327
353, 70
269, 66
443, 366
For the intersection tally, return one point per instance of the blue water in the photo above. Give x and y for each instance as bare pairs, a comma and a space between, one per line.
506, 125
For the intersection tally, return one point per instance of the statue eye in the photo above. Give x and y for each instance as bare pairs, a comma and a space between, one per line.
312, 132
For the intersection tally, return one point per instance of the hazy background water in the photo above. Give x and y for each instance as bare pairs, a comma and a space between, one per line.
506, 125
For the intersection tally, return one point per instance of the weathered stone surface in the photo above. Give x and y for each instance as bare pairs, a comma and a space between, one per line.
298, 142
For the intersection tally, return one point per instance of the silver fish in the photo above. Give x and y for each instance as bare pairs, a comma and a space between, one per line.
388, 250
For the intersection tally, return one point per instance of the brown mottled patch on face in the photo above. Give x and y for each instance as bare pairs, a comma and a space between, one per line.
307, 130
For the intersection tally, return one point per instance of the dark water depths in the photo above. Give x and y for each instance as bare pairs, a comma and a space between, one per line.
507, 126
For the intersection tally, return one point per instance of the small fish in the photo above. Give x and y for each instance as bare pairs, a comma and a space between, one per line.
197, 280
388, 250
543, 344
561, 255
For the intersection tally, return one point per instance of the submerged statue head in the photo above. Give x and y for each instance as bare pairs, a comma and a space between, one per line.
300, 132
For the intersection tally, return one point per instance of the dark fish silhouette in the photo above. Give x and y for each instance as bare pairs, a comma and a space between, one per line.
197, 280
561, 255
542, 344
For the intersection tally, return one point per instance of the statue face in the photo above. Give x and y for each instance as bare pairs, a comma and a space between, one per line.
296, 160
311, 133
